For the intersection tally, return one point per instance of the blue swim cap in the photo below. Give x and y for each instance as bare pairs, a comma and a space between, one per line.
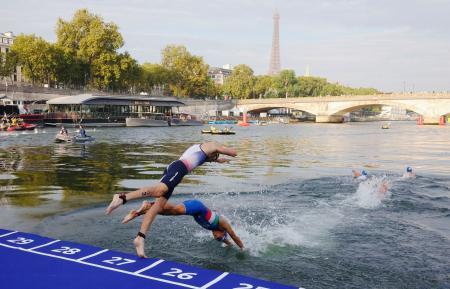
409, 169
223, 238
363, 173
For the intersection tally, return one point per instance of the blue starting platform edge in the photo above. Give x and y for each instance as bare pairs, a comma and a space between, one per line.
29, 261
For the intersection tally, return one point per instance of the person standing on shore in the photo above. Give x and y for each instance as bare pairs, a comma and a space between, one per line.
194, 156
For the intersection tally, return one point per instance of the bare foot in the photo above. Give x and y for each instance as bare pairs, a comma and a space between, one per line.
131, 215
135, 213
116, 202
139, 243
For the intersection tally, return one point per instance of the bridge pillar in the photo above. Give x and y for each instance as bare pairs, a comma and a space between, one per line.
431, 119
329, 118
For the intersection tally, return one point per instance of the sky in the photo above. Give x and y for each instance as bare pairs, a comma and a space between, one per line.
396, 45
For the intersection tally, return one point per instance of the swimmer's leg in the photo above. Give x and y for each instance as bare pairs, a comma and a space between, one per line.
155, 191
149, 217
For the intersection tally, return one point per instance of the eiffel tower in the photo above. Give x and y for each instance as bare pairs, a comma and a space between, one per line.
275, 53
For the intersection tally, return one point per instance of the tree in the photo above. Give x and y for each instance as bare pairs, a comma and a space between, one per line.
264, 84
311, 86
286, 82
8, 63
240, 83
92, 42
188, 74
36, 56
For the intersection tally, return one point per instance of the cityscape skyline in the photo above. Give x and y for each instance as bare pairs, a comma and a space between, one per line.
395, 47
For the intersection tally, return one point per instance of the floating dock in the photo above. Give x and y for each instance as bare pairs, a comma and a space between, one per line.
29, 261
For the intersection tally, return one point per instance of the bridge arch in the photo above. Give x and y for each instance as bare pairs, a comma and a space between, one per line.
352, 106
266, 107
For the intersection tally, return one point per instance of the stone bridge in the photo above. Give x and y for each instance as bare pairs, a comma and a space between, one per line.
431, 106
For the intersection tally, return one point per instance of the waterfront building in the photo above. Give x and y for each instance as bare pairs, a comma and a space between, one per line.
106, 110
219, 74
6, 41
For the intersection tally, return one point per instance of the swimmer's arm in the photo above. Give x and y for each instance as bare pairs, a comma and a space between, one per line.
212, 147
226, 151
222, 160
233, 235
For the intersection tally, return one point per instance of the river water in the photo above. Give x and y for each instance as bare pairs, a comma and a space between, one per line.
289, 194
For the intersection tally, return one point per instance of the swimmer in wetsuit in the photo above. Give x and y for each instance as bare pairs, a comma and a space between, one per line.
194, 156
360, 176
205, 217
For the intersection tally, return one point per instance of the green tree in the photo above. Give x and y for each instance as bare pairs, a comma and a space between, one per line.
8, 63
153, 75
311, 86
286, 82
94, 44
36, 56
188, 73
240, 84
264, 84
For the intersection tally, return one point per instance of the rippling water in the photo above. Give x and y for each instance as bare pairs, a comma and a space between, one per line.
289, 195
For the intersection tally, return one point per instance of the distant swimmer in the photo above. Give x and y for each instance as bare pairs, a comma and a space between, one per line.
382, 190
360, 175
205, 217
194, 156
409, 173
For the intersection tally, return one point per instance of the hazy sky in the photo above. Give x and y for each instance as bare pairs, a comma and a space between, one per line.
389, 45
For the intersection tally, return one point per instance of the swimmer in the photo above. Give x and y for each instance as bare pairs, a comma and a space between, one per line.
193, 157
409, 173
360, 176
205, 217
382, 190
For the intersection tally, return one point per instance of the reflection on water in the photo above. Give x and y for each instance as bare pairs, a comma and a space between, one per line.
33, 168
289, 194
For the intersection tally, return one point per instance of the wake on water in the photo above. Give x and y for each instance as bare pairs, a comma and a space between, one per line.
265, 222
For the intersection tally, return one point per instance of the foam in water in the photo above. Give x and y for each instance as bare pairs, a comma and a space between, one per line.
264, 227
371, 193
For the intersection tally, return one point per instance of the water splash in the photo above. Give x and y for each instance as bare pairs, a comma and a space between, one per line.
371, 193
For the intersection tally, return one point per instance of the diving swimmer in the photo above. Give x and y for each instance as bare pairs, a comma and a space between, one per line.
205, 217
360, 176
194, 156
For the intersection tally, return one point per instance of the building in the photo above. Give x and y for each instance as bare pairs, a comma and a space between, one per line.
6, 40
106, 110
220, 74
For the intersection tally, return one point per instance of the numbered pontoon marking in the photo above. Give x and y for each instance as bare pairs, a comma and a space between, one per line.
49, 243
118, 261
7, 234
103, 267
215, 280
150, 266
175, 272
20, 241
92, 255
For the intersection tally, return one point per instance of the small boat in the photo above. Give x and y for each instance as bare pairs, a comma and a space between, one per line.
63, 138
214, 130
223, 132
23, 126
82, 139
72, 139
